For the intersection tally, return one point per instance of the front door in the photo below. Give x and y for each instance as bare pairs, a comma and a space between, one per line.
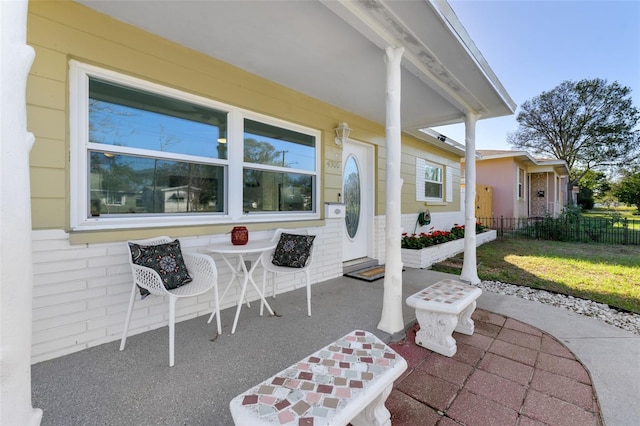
357, 194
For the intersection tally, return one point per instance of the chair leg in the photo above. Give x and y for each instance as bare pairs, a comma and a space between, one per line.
217, 309
308, 292
172, 328
132, 300
273, 284
264, 284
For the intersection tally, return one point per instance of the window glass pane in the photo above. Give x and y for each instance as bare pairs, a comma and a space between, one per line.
277, 192
123, 185
352, 196
122, 116
432, 190
275, 146
433, 174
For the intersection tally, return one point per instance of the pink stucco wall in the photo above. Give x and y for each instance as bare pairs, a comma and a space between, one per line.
501, 175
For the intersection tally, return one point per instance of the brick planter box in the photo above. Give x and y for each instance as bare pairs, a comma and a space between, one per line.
426, 257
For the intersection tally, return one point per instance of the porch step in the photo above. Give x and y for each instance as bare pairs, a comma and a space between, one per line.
358, 264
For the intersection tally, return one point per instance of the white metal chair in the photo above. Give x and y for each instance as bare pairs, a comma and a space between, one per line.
268, 266
202, 270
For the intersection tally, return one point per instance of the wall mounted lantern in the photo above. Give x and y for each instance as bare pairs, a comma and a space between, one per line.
342, 133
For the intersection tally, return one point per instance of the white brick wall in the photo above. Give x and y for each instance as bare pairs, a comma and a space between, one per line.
81, 292
439, 221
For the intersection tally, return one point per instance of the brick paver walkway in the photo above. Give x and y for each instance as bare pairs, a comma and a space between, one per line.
506, 373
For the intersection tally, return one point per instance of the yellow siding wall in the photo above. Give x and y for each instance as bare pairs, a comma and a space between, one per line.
412, 149
63, 30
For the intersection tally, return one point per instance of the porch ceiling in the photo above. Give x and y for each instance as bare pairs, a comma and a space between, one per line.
333, 50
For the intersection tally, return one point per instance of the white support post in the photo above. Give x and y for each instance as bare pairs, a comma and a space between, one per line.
16, 270
469, 266
392, 320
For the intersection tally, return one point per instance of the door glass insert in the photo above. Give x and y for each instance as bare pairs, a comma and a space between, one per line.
352, 196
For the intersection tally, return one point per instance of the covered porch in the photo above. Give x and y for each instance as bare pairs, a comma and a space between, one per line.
329, 54
102, 385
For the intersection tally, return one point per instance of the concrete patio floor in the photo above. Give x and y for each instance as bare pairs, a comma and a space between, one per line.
527, 364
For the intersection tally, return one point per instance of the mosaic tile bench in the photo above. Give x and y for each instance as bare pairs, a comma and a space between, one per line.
348, 381
441, 309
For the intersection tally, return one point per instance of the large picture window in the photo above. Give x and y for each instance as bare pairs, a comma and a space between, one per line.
147, 155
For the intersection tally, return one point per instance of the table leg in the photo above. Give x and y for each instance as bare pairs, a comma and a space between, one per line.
436, 331
243, 292
465, 323
235, 272
375, 413
248, 277
260, 293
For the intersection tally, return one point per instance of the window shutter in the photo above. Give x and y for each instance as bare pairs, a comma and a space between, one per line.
449, 184
420, 179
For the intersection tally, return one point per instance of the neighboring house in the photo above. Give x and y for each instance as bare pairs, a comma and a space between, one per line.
522, 186
187, 118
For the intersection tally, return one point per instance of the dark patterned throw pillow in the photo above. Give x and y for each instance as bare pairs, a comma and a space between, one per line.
165, 259
293, 250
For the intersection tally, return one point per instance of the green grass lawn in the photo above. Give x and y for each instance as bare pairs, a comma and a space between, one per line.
601, 272
619, 215
623, 211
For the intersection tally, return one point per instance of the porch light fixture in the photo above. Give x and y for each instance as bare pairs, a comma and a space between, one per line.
342, 133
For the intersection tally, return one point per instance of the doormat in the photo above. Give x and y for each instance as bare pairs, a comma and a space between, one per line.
368, 274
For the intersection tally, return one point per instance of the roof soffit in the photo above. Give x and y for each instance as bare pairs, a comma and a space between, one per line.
337, 52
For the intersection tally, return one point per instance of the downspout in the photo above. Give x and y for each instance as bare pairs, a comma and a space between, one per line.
391, 320
469, 265
16, 265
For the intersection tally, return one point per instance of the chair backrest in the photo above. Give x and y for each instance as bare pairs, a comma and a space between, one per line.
148, 242
146, 283
280, 231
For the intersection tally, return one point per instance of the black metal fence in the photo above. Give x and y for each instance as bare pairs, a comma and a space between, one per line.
581, 229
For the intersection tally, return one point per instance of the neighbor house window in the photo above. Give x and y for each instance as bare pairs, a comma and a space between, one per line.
429, 181
521, 184
147, 155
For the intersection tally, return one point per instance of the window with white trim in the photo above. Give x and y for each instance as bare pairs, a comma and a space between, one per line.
521, 184
148, 155
430, 182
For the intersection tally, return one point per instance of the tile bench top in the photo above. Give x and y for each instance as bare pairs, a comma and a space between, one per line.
446, 296
316, 390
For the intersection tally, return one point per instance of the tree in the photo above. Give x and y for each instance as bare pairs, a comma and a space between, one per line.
628, 189
585, 198
596, 181
594, 185
589, 124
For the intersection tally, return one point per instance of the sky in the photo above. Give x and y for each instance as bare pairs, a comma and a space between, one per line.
533, 45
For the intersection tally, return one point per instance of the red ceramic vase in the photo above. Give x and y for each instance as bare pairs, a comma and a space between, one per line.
239, 235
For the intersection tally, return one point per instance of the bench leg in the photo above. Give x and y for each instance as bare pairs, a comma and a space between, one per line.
465, 323
435, 332
375, 414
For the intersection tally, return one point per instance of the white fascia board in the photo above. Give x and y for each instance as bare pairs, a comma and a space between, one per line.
448, 16
510, 154
430, 136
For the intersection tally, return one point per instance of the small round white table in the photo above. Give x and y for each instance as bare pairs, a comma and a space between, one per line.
226, 250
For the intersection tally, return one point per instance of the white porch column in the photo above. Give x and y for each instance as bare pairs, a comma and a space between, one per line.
16, 274
470, 266
392, 321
